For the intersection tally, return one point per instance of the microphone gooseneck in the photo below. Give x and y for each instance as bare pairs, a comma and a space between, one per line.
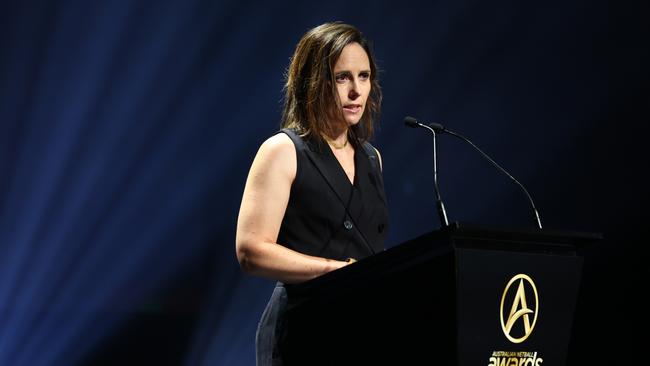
486, 156
440, 206
436, 127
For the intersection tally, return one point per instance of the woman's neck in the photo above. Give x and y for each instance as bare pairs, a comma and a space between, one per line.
338, 138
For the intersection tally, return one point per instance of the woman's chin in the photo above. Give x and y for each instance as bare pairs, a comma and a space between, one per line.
352, 121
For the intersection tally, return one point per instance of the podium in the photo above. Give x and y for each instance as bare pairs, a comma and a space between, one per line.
463, 295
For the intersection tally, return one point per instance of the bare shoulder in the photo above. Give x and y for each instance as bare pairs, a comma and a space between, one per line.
381, 165
278, 144
278, 154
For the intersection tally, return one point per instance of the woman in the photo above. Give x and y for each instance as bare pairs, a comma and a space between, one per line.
314, 199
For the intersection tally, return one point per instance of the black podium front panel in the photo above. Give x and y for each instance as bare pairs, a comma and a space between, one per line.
515, 305
459, 296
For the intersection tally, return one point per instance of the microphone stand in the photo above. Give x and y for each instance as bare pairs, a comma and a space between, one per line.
433, 127
442, 213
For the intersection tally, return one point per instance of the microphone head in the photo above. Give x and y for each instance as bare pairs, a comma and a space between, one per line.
411, 122
437, 127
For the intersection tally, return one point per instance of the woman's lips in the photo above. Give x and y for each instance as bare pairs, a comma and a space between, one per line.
352, 108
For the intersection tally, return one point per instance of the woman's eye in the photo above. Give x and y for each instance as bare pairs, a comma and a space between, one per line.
341, 77
364, 76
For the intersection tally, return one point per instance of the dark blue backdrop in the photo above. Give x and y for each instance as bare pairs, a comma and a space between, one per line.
127, 130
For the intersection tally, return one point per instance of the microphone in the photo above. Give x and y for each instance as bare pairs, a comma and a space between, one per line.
434, 127
414, 123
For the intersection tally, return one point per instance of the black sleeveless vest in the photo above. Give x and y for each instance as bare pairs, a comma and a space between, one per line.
326, 215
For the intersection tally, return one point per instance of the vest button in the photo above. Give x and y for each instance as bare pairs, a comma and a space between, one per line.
347, 224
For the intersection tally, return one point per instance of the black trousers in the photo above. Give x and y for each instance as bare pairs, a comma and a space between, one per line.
270, 328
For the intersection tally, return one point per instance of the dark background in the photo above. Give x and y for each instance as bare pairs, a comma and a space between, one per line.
127, 130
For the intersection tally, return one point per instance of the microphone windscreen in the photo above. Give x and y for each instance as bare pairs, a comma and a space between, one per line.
437, 127
411, 122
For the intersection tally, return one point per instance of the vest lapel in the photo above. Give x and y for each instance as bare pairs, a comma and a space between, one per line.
372, 168
330, 169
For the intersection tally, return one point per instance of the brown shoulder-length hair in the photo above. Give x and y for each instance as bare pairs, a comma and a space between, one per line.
311, 97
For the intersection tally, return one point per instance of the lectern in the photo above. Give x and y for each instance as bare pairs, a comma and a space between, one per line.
463, 295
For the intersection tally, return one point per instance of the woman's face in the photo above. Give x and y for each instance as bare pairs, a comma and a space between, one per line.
352, 76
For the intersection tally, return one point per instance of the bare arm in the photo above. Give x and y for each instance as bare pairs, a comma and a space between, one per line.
262, 208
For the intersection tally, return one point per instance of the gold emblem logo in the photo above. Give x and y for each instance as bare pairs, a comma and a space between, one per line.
519, 309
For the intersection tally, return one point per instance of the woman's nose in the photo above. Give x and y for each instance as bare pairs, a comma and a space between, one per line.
353, 93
